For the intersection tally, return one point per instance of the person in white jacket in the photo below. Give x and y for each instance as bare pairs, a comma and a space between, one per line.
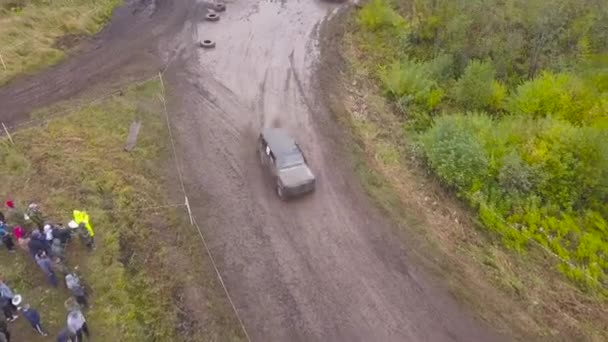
77, 325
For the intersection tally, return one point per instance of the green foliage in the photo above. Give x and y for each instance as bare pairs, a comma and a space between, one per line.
559, 95
534, 161
474, 90
408, 79
455, 153
378, 14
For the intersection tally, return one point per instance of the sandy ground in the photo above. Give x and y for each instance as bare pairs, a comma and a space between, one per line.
326, 267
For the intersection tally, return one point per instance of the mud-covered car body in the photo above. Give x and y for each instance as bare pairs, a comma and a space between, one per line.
282, 157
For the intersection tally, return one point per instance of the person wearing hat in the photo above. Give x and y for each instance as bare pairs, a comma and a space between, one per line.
6, 298
33, 214
86, 235
33, 317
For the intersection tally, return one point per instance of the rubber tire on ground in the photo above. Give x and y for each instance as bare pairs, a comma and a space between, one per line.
219, 7
207, 44
212, 17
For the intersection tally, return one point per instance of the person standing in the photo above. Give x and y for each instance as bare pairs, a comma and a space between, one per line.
5, 335
33, 317
37, 244
6, 237
77, 325
14, 216
33, 214
6, 302
73, 283
45, 263
65, 335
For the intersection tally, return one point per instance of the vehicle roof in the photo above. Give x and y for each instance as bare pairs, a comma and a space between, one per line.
279, 141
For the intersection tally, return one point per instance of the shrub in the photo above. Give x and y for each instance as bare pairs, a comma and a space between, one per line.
455, 154
475, 89
378, 14
408, 81
561, 95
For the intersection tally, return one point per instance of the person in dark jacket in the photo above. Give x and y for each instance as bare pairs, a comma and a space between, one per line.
6, 237
5, 335
37, 244
33, 317
6, 297
45, 263
65, 335
62, 233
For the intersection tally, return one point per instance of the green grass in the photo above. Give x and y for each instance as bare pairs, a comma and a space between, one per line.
30, 29
145, 257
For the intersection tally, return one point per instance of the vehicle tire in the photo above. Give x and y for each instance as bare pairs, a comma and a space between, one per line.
212, 17
280, 192
219, 7
207, 44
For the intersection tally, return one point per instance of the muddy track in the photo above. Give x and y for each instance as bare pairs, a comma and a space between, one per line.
323, 268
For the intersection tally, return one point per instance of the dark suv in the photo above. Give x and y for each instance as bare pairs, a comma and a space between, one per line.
280, 154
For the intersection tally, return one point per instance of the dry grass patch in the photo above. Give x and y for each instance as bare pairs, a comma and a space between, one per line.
32, 31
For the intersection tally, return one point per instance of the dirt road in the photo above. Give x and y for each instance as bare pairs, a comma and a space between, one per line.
323, 268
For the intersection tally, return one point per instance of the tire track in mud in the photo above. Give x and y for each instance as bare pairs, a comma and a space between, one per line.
322, 268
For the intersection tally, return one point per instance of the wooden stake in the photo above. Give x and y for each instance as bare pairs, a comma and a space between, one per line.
2, 60
8, 134
189, 211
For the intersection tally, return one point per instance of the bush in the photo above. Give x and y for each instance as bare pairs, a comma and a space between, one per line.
475, 90
408, 82
560, 95
378, 14
455, 154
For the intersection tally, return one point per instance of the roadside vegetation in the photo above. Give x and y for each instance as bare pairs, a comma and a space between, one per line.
35, 33
505, 104
508, 102
148, 278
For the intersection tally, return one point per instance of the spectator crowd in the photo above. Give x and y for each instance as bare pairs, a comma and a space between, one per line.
45, 242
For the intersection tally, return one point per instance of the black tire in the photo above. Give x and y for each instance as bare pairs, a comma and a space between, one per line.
207, 44
219, 7
212, 17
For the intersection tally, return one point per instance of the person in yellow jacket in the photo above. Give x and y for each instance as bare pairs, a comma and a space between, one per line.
83, 227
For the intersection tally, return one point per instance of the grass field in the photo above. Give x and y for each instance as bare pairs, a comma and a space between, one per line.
147, 274
522, 295
30, 30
